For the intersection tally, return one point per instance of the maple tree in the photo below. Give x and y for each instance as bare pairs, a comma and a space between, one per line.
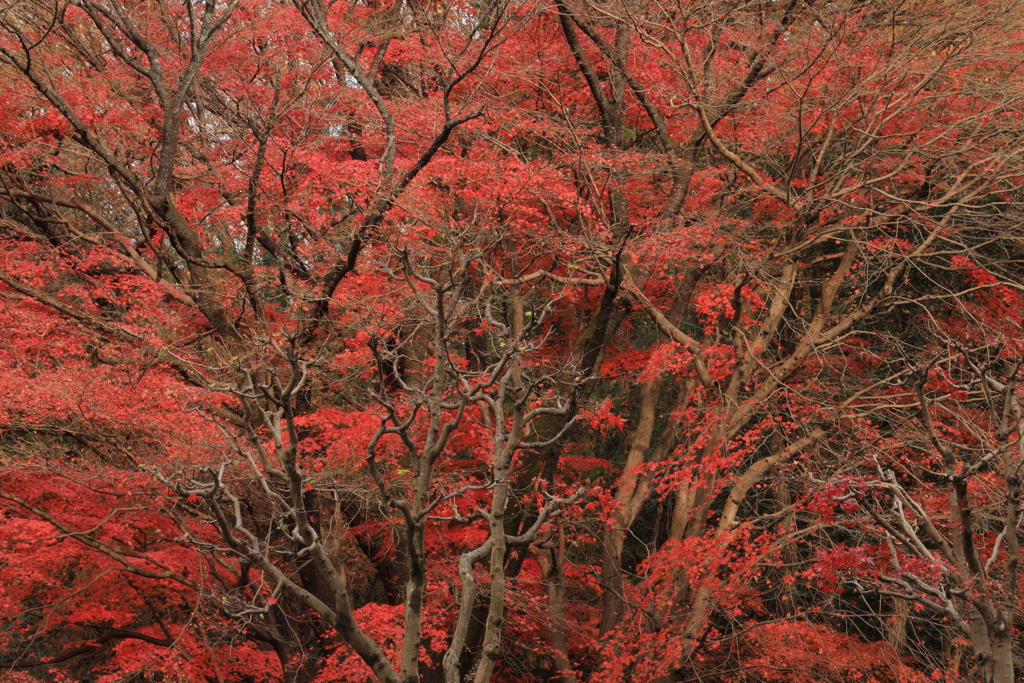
436, 341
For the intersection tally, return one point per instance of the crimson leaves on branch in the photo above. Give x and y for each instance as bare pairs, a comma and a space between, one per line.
510, 341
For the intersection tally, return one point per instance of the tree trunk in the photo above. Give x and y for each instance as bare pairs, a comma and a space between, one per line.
999, 667
552, 564
628, 508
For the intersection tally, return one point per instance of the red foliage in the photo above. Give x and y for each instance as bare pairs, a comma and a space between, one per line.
582, 342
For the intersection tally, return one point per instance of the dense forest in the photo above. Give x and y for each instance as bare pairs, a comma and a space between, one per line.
577, 341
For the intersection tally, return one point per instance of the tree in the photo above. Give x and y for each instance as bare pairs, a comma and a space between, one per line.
826, 137
948, 542
435, 341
